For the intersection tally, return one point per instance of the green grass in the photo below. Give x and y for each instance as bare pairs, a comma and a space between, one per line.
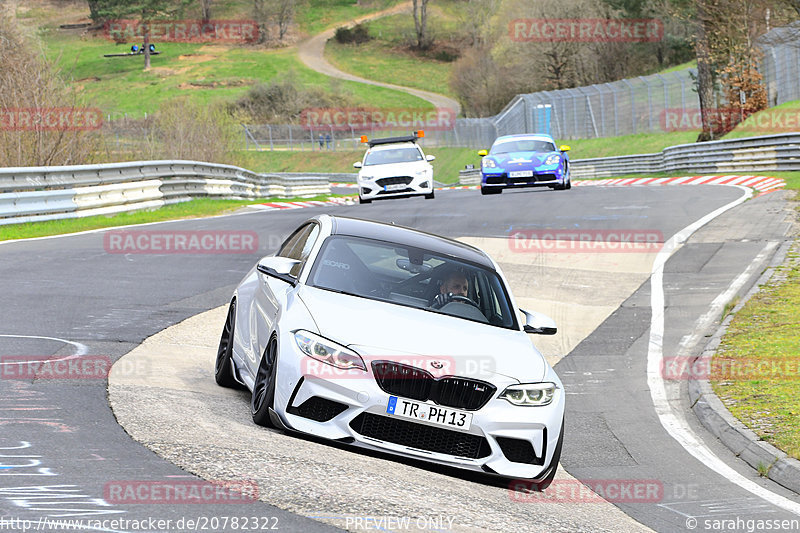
389, 59
318, 15
642, 143
765, 331
199, 207
207, 73
445, 169
379, 61
770, 121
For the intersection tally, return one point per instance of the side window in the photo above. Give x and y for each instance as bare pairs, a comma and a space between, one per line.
305, 249
299, 245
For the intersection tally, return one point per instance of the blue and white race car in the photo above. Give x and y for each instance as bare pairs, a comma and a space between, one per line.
526, 160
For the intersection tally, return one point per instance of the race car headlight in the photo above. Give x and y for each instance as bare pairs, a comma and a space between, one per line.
552, 159
488, 163
530, 394
327, 351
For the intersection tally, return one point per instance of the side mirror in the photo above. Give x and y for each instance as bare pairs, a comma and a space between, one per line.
539, 323
430, 158
483, 153
278, 267
564, 148
357, 164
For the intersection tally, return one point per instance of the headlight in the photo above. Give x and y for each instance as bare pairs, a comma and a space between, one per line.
327, 351
552, 159
488, 163
537, 394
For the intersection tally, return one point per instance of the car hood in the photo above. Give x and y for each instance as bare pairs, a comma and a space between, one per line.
394, 169
522, 159
380, 330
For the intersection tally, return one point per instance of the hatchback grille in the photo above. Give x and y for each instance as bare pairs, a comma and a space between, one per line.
417, 384
421, 436
398, 180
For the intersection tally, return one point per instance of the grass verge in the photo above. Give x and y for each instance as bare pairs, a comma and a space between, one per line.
199, 207
765, 332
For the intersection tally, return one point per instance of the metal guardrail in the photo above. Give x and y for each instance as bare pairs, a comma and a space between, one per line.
751, 154
29, 194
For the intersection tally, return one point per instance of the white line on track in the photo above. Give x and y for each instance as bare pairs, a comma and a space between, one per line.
80, 349
716, 307
672, 421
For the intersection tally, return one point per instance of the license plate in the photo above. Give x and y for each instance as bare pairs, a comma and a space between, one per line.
433, 414
395, 187
521, 174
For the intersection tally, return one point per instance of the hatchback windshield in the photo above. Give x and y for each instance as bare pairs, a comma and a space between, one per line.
396, 155
412, 277
523, 145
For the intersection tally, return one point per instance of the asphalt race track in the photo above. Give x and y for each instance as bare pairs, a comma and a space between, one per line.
62, 450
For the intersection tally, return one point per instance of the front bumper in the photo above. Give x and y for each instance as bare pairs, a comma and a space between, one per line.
395, 186
538, 179
504, 439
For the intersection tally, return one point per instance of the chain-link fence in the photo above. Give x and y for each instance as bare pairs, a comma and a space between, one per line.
780, 64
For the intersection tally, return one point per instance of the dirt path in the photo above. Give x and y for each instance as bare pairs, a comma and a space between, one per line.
312, 53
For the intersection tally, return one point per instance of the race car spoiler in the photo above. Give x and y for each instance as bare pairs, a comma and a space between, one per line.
389, 140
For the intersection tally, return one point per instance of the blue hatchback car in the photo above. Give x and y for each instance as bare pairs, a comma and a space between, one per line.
525, 160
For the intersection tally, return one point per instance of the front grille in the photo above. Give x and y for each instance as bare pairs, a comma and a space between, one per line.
462, 393
417, 384
403, 380
401, 180
421, 436
519, 451
496, 180
544, 177
318, 409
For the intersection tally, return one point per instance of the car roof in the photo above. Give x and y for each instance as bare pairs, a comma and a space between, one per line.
408, 237
532, 136
379, 147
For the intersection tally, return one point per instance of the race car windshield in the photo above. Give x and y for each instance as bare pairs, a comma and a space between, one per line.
412, 277
523, 145
397, 155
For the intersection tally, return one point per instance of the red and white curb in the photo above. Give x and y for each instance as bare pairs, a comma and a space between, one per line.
762, 184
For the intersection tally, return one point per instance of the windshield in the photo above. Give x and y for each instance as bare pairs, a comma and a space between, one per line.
412, 277
396, 155
523, 145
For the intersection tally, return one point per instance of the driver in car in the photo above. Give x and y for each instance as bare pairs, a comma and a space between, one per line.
455, 284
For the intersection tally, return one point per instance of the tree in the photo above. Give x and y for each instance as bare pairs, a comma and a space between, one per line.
420, 12
261, 14
205, 6
283, 11
145, 11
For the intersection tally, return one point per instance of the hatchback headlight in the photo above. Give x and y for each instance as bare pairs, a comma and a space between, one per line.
552, 159
327, 351
530, 394
488, 163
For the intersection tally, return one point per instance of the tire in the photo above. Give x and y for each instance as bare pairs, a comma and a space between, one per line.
569, 183
430, 196
264, 387
485, 191
363, 201
223, 368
